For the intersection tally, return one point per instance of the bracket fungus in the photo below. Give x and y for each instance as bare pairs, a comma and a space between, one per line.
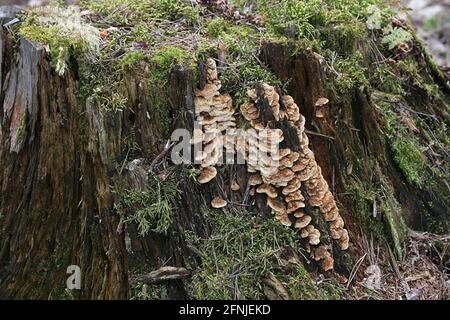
218, 203
298, 175
289, 176
235, 186
214, 112
207, 174
320, 107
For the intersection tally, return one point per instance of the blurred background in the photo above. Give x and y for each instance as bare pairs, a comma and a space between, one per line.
432, 20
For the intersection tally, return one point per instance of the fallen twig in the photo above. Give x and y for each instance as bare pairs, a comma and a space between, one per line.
162, 274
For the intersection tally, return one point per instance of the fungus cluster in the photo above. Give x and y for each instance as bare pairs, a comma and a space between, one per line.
297, 175
214, 112
277, 154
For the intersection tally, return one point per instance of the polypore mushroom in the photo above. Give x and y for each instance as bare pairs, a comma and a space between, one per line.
207, 175
212, 146
218, 203
255, 179
328, 202
292, 109
305, 174
281, 178
197, 136
206, 119
328, 264
321, 253
289, 160
211, 158
295, 196
320, 104
235, 186
344, 240
331, 215
293, 185
249, 111
271, 191
298, 214
283, 219
282, 153
294, 206
314, 237
211, 71
276, 204
209, 91
337, 224
336, 234
304, 233
292, 170
302, 222
300, 164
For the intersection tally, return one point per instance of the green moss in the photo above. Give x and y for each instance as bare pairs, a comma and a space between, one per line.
398, 230
344, 37
23, 126
177, 9
131, 60
166, 58
216, 27
406, 149
372, 195
130, 12
62, 31
350, 74
151, 209
150, 292
436, 226
364, 196
386, 79
409, 158
241, 249
298, 19
319, 19
302, 287
243, 69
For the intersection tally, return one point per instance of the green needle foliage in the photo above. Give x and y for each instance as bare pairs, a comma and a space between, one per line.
150, 209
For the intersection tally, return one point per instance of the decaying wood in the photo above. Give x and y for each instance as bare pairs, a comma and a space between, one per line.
274, 289
162, 274
58, 156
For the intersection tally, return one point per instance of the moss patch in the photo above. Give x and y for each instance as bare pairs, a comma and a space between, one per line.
241, 249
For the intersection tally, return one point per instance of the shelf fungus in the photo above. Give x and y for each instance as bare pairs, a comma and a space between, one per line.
218, 203
235, 186
215, 114
297, 183
207, 174
277, 154
320, 105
